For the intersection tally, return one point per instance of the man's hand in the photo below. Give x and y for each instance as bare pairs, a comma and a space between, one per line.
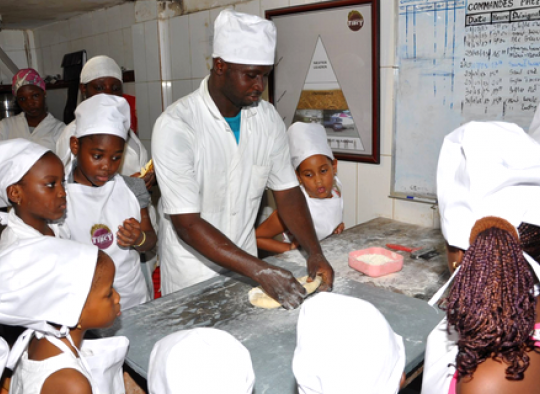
282, 286
318, 265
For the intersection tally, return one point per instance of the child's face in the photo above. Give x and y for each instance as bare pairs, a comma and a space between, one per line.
40, 194
316, 173
31, 99
103, 303
98, 158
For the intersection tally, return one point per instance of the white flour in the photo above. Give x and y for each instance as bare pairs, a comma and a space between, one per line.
374, 259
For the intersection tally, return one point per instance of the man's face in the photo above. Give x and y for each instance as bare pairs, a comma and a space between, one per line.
244, 84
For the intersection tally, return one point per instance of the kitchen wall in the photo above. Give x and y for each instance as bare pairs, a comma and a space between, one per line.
171, 53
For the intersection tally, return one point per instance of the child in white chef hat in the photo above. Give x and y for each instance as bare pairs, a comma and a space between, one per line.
316, 169
58, 289
32, 180
200, 361
345, 345
104, 208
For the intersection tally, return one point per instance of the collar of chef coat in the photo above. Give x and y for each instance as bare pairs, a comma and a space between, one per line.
201, 360
249, 111
345, 345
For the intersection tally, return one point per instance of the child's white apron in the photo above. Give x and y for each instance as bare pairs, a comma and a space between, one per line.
93, 216
327, 213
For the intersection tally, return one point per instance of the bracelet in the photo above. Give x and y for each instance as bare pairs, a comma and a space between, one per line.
142, 242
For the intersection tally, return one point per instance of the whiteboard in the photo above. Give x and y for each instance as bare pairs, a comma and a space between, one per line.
459, 61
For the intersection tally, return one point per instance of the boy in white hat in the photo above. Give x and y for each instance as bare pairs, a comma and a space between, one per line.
215, 152
316, 171
101, 75
488, 187
200, 361
345, 345
104, 208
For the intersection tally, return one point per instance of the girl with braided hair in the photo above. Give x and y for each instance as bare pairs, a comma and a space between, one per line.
492, 307
488, 187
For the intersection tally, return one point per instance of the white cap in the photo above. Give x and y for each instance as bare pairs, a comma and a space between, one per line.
202, 361
487, 169
103, 114
244, 38
100, 67
306, 140
17, 156
345, 345
4, 353
45, 279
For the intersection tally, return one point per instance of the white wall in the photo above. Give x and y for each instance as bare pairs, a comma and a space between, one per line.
171, 54
13, 43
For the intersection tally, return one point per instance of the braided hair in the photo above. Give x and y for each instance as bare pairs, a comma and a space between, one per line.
491, 303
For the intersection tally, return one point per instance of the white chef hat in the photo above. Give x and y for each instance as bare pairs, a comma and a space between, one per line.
345, 345
103, 114
202, 361
17, 156
45, 280
100, 67
307, 139
244, 38
4, 353
487, 169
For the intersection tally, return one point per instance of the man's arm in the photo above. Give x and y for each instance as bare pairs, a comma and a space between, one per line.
293, 211
277, 282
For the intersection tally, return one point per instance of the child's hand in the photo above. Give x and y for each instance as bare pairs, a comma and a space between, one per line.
339, 229
130, 233
294, 244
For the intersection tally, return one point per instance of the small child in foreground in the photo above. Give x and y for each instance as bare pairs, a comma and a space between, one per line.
316, 170
101, 201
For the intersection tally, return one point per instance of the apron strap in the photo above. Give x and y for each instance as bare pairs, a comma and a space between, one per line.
437, 296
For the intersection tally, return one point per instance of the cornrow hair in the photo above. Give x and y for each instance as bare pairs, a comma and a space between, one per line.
491, 303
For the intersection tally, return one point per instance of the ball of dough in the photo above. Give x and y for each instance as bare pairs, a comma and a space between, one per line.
260, 299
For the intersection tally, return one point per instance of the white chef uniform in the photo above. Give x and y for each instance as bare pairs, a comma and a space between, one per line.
201, 168
202, 361
46, 132
47, 280
94, 213
485, 169
345, 345
306, 140
4, 352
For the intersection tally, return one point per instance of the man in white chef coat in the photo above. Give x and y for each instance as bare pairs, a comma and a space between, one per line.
215, 151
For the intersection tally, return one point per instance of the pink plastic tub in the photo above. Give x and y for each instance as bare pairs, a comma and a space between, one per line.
393, 265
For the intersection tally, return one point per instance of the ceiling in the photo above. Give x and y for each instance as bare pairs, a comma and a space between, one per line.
29, 14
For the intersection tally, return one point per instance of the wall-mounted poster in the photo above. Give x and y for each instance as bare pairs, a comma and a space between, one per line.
327, 72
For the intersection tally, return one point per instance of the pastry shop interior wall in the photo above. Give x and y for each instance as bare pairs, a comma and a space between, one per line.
171, 53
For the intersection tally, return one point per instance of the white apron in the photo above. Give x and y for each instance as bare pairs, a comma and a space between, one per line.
327, 213
4, 353
93, 217
45, 134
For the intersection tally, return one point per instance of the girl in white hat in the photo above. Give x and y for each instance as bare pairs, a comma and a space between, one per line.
316, 170
68, 291
32, 180
104, 208
488, 187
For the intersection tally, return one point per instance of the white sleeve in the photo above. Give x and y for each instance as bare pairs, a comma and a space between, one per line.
282, 175
173, 157
63, 150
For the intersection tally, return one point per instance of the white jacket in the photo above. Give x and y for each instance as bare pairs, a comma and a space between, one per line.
46, 133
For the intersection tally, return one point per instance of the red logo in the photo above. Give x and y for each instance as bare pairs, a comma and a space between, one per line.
355, 20
102, 236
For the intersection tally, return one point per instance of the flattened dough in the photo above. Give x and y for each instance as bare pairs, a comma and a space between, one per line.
260, 299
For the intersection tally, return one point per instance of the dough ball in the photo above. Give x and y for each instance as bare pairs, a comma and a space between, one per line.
260, 299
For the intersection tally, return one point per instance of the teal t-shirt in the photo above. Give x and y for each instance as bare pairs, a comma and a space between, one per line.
234, 124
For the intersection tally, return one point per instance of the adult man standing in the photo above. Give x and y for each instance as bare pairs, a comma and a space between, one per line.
215, 151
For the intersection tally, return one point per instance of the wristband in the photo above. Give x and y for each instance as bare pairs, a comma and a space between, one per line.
142, 242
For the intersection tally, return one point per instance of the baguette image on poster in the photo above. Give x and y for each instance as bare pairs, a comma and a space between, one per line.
322, 101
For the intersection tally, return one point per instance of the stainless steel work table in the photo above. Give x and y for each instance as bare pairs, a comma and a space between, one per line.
270, 335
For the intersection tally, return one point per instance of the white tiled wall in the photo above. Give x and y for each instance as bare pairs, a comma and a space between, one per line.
171, 56
13, 43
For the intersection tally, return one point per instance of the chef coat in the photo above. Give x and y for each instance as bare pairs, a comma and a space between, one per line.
93, 216
201, 169
46, 133
135, 154
4, 352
